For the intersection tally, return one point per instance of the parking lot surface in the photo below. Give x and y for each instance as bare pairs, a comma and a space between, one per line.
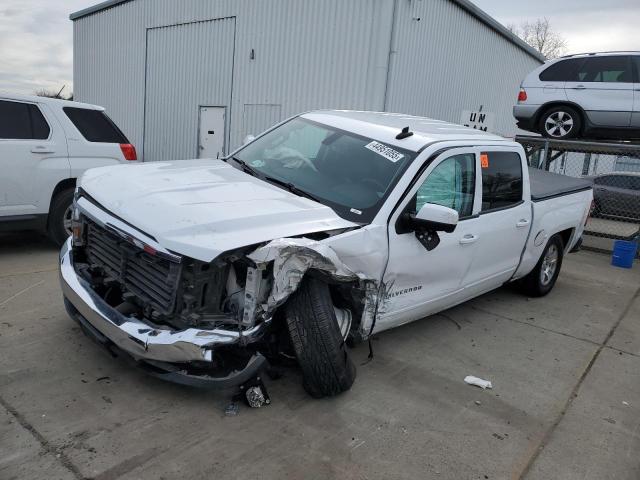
565, 402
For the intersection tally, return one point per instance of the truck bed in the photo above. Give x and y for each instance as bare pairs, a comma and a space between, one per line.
546, 185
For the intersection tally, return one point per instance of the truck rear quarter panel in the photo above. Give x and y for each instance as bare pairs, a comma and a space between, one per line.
551, 216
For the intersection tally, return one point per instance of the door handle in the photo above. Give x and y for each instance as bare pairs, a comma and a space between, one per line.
578, 87
469, 238
523, 222
41, 149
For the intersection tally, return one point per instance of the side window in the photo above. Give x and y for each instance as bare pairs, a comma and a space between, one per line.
636, 63
634, 183
22, 121
615, 68
501, 180
451, 184
94, 125
562, 71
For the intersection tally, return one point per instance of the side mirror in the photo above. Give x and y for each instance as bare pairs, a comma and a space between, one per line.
249, 138
436, 218
430, 220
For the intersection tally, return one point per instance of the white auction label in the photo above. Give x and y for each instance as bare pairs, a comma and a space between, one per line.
384, 151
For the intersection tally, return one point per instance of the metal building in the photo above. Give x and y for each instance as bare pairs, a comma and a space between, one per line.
192, 78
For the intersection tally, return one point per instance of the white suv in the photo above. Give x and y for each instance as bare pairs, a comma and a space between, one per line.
45, 145
595, 94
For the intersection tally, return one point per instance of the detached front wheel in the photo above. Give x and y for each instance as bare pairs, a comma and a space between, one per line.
319, 340
543, 277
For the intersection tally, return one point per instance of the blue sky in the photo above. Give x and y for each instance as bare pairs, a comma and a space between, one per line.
36, 48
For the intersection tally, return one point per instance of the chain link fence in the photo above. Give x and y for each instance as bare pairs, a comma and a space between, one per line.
615, 171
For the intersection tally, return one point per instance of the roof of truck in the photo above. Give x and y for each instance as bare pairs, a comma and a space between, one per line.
47, 100
384, 127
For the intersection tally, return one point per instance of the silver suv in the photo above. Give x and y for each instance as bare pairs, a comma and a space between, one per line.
593, 94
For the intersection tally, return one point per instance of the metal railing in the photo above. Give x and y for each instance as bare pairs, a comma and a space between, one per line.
615, 170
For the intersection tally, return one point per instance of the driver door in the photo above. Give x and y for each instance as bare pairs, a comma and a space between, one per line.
421, 282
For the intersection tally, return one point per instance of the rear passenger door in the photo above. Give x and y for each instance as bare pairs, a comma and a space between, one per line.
33, 158
505, 220
603, 87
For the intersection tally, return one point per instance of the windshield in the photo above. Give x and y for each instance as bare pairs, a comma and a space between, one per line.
347, 172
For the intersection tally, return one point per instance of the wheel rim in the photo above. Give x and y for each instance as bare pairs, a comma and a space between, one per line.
67, 220
343, 317
558, 124
549, 265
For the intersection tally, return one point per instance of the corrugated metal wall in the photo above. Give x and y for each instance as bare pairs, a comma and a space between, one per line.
448, 61
188, 66
296, 55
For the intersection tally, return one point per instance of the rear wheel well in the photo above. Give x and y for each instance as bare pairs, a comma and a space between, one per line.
549, 106
566, 237
65, 184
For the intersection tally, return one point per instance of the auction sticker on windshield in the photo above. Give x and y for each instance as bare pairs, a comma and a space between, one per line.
388, 153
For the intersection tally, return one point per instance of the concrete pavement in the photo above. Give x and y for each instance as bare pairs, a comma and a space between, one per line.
565, 403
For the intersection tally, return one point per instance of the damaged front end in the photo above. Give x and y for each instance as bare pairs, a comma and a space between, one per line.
199, 323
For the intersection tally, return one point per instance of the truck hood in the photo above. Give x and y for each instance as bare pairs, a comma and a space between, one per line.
202, 208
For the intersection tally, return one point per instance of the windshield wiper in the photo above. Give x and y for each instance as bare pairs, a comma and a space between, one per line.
292, 188
245, 167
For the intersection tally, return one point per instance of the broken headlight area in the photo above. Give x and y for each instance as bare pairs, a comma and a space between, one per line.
224, 294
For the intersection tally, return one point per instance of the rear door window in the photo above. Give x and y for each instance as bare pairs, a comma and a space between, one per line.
562, 71
95, 125
634, 183
22, 121
615, 69
501, 180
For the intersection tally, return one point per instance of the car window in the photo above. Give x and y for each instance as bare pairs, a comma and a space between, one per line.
22, 121
501, 179
615, 68
350, 173
562, 71
634, 183
95, 125
636, 63
451, 184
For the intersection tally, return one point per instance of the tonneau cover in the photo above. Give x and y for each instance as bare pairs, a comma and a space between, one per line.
546, 184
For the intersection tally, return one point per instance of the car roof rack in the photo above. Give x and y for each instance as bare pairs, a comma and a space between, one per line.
631, 52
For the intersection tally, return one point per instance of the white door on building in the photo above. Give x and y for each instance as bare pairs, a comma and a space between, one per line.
211, 137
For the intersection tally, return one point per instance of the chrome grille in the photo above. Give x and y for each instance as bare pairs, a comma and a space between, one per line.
153, 280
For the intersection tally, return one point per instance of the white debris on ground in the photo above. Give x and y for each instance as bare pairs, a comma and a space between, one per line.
478, 382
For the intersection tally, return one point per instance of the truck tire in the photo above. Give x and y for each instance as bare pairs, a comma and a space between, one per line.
58, 224
322, 354
560, 123
543, 277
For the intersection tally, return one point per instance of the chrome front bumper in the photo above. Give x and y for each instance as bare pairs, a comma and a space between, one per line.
139, 339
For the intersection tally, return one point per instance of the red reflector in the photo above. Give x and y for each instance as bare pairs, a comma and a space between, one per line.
149, 250
129, 151
522, 95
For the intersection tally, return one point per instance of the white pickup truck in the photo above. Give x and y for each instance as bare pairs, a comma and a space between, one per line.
45, 145
329, 227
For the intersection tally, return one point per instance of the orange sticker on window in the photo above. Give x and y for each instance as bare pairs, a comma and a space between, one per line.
484, 160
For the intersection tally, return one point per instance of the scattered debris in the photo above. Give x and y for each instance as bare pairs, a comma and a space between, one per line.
478, 382
232, 409
477, 402
255, 397
254, 393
